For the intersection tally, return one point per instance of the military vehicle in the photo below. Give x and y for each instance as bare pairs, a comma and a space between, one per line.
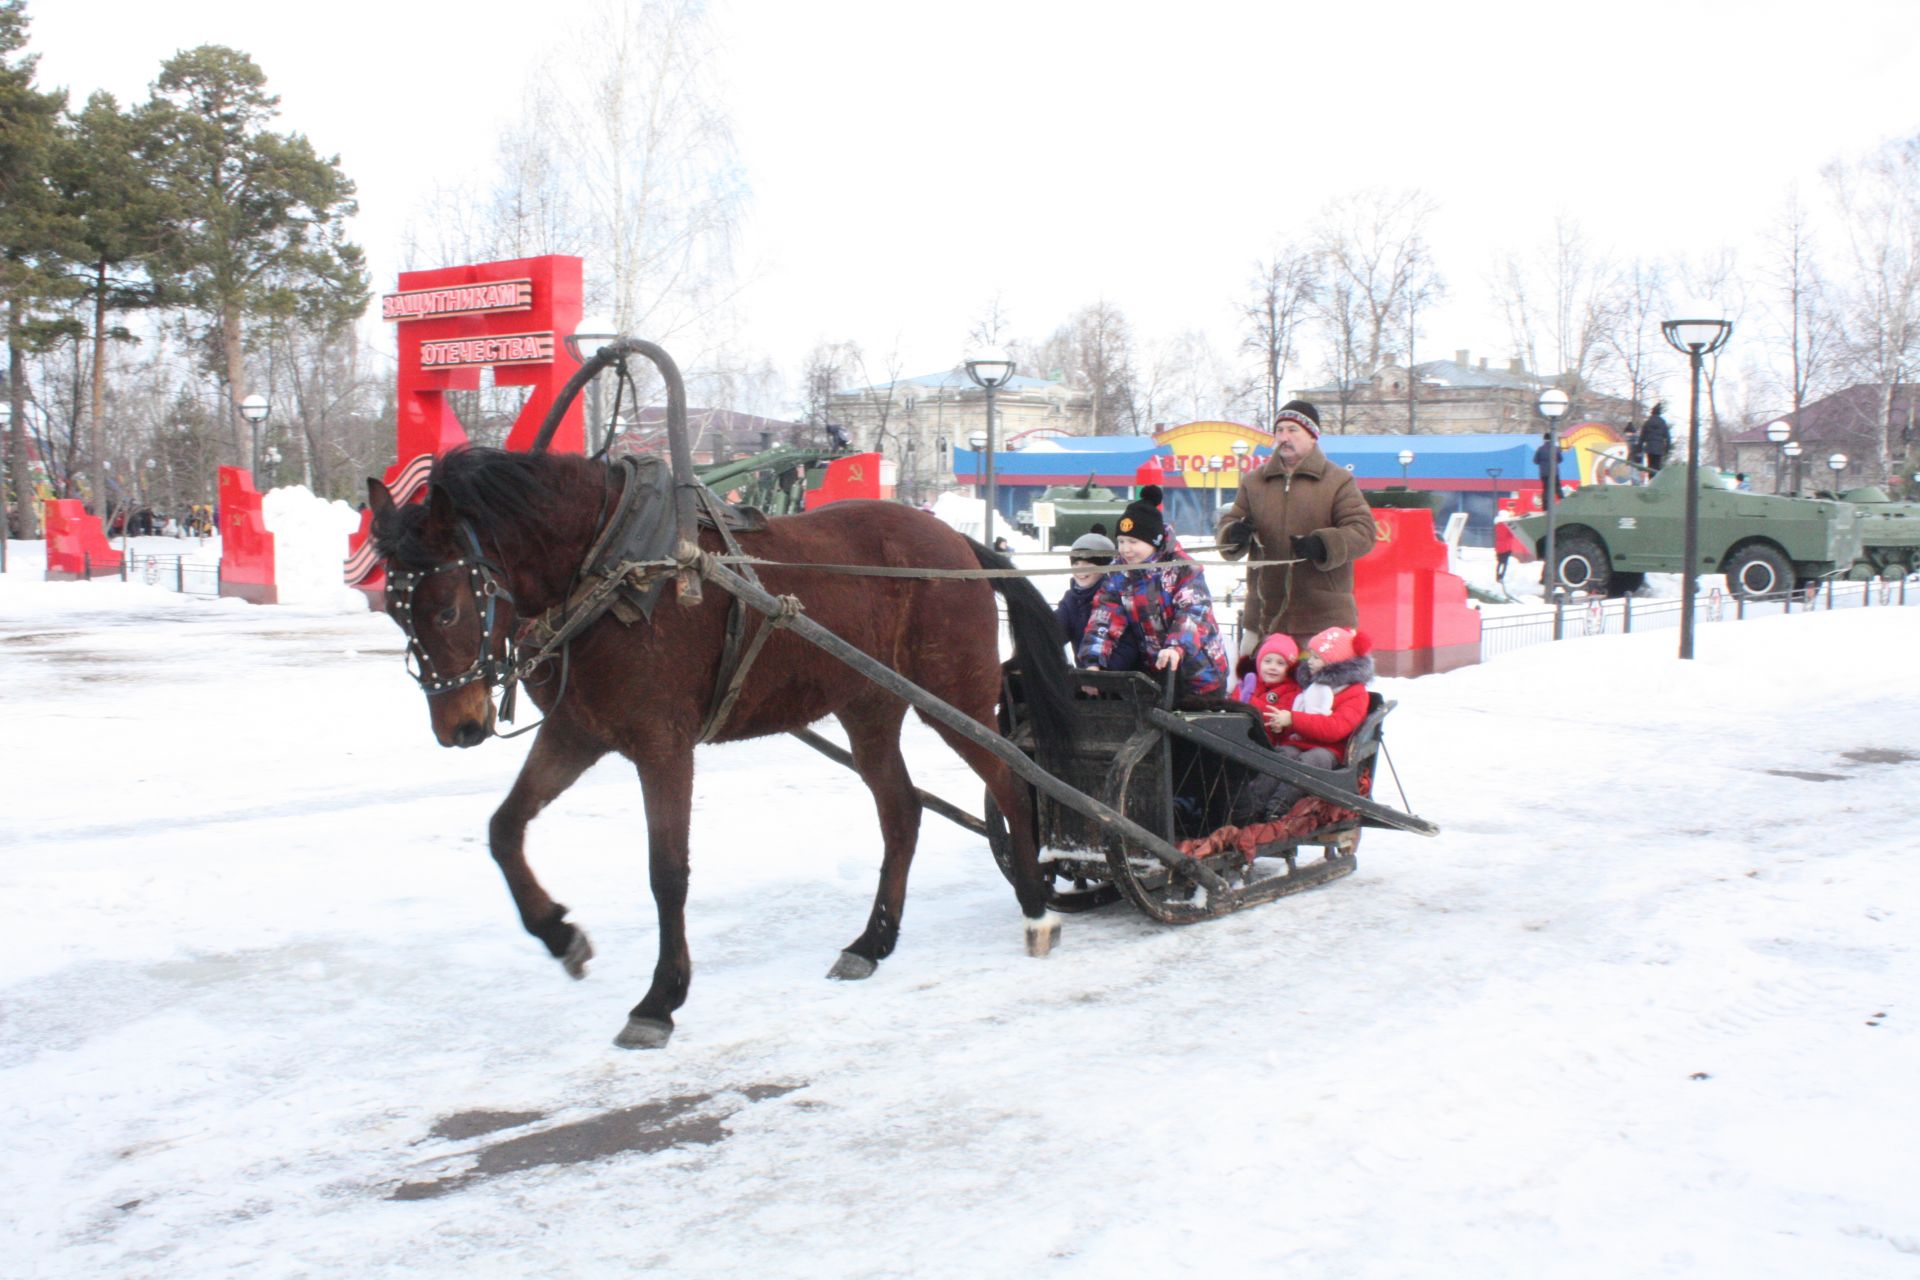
1076, 509
1889, 534
1609, 537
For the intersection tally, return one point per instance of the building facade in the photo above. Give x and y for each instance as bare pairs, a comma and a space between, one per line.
1451, 397
918, 423
1845, 422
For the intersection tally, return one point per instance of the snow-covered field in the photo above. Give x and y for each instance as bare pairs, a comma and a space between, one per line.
1647, 1007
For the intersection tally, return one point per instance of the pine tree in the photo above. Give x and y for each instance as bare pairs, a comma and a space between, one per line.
29, 130
258, 217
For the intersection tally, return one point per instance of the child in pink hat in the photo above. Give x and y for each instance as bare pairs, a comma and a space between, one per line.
1270, 686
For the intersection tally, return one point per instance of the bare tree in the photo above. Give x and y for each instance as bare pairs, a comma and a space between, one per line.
1095, 351
1878, 198
991, 327
1375, 241
1342, 320
1716, 275
1632, 330
1559, 303
1801, 318
1283, 291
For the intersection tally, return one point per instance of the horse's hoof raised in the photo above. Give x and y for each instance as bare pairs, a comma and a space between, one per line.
1042, 935
579, 951
851, 968
644, 1033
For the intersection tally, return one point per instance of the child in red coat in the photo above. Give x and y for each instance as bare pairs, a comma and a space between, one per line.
1270, 686
1329, 700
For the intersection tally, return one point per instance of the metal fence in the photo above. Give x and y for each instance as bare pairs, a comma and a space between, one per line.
1593, 616
173, 573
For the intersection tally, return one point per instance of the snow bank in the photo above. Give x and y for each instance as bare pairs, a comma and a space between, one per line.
309, 544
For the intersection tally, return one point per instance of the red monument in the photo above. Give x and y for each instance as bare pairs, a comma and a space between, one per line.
513, 317
1415, 610
246, 548
77, 546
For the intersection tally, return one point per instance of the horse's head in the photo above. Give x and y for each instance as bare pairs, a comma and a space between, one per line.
453, 605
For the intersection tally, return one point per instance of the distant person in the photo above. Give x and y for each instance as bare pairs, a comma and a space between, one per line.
1299, 508
1547, 460
1656, 439
1504, 545
1741, 482
1002, 546
1089, 558
1170, 604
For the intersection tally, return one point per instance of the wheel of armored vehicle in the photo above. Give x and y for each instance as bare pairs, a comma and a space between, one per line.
1584, 563
1758, 570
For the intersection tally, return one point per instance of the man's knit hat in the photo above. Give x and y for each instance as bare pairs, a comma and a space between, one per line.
1299, 411
1142, 518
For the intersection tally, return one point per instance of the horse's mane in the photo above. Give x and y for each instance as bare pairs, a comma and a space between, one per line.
513, 501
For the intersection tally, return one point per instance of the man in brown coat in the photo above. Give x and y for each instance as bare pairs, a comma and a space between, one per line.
1299, 506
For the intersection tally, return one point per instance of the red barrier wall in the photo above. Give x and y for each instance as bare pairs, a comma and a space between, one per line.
1415, 610
246, 548
76, 543
855, 476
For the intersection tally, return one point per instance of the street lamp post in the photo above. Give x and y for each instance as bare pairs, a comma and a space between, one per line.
1778, 432
1836, 462
1406, 460
990, 370
1791, 451
1552, 405
1695, 339
254, 410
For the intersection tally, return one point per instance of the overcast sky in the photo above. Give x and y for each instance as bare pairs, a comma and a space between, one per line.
908, 161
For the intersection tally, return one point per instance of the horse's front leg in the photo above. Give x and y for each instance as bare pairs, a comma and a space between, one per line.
667, 778
556, 761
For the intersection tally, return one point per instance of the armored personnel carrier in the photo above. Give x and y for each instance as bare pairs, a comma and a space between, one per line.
1609, 537
1889, 534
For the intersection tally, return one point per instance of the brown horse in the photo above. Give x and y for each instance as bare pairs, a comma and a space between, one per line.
502, 537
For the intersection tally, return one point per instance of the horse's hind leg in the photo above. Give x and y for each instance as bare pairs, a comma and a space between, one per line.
1016, 803
556, 761
873, 735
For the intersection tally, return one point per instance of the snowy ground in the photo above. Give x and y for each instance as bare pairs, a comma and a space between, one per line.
1645, 1008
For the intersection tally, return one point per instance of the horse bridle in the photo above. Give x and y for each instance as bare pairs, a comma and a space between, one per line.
485, 591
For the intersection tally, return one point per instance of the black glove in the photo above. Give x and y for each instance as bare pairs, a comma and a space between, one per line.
1237, 535
1310, 547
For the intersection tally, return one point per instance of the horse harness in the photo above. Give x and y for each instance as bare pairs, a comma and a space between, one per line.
623, 573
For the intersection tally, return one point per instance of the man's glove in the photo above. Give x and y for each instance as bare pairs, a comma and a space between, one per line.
1237, 535
1310, 547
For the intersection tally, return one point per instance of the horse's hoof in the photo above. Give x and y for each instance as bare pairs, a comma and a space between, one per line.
644, 1033
851, 968
579, 951
1042, 935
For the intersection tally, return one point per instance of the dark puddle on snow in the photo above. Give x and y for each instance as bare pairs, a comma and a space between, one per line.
686, 1120
1879, 755
1857, 756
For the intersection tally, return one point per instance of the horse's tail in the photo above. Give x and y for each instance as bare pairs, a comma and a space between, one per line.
1045, 683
